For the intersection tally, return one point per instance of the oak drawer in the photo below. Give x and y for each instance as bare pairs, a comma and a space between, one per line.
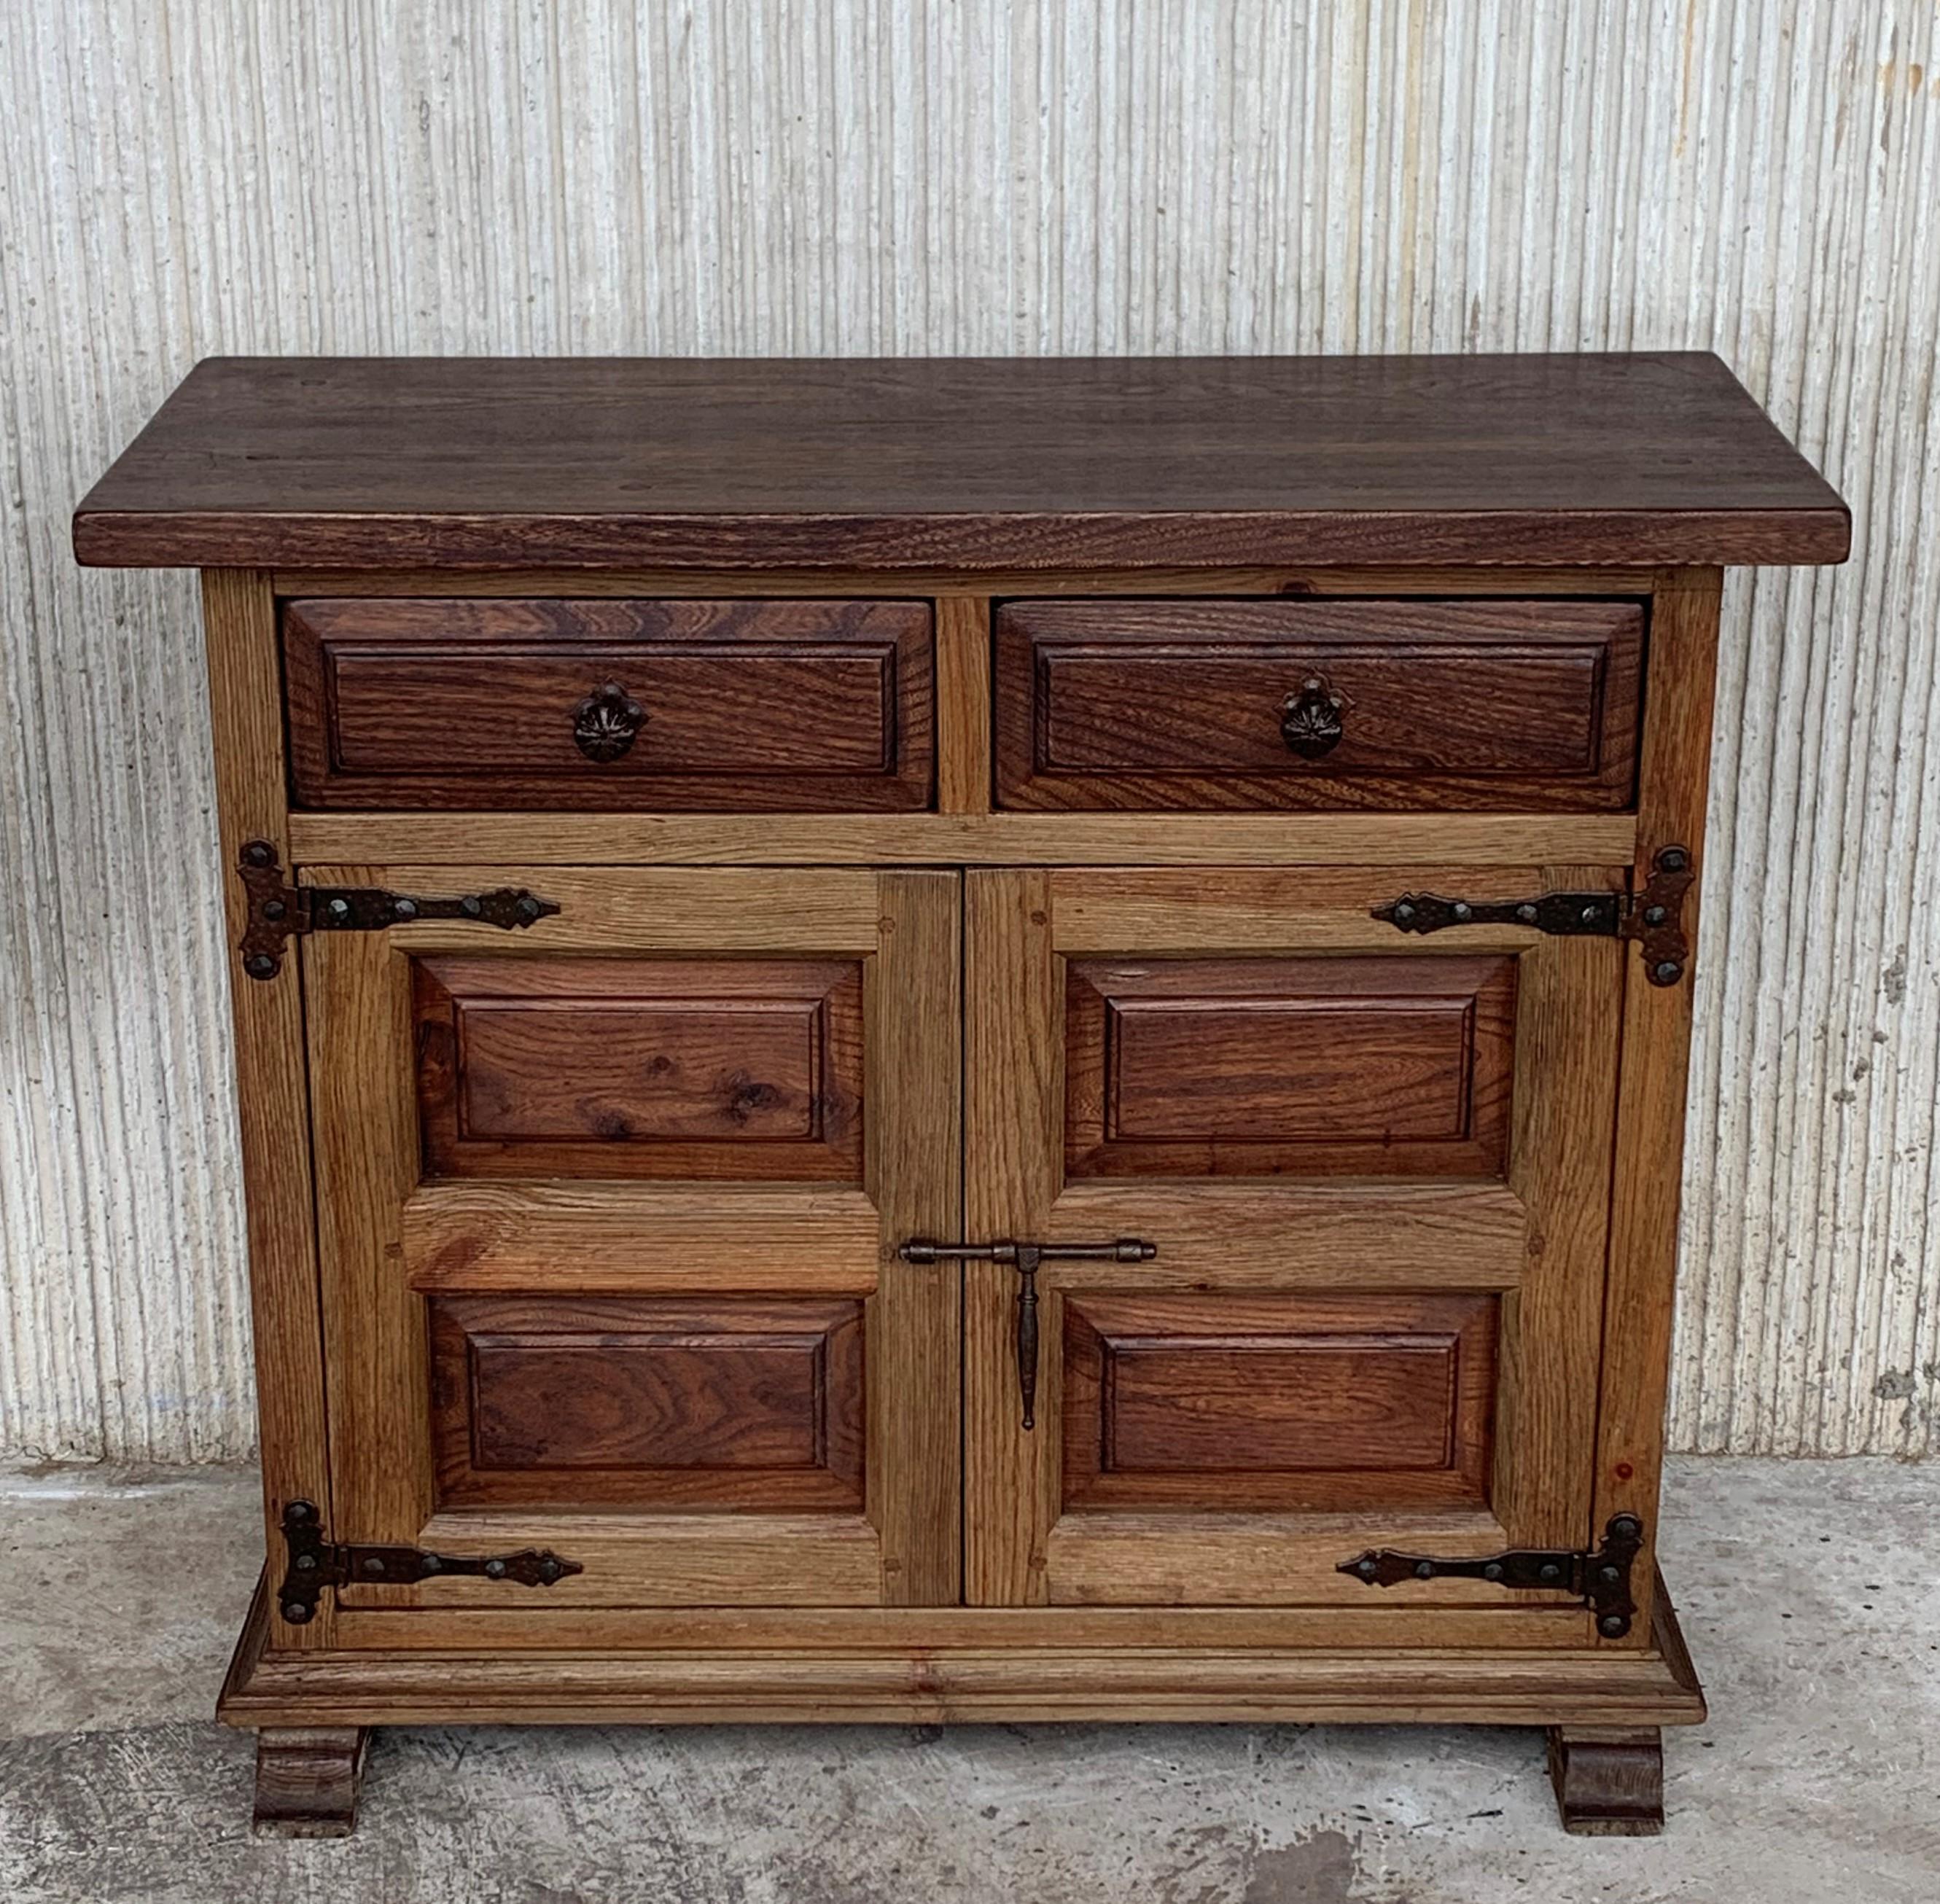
763, 706
1468, 705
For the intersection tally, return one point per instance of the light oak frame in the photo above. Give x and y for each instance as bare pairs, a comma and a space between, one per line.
915, 1661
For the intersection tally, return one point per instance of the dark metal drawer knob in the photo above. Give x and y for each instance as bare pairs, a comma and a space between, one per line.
1311, 721
607, 722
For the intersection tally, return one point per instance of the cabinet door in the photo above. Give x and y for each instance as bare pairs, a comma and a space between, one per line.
608, 1213
1376, 1169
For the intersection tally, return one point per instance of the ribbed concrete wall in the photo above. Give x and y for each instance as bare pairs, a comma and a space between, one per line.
1758, 176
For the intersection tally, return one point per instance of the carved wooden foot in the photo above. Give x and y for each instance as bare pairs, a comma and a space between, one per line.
306, 1780
1609, 1782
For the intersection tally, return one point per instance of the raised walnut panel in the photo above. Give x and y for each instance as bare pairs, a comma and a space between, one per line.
647, 1402
1224, 1402
1357, 1065
1200, 704
580, 1067
758, 706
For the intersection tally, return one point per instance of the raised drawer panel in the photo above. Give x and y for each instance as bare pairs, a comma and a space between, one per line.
1263, 704
647, 1402
812, 706
1214, 1402
1354, 1066
744, 1068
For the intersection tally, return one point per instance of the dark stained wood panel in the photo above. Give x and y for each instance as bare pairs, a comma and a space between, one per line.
671, 1068
1218, 1403
1210, 1070
645, 1071
1034, 463
726, 1404
1355, 1065
1508, 706
630, 1401
1278, 1404
754, 706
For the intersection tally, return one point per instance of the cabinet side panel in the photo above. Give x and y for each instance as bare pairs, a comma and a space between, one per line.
245, 702
1640, 1288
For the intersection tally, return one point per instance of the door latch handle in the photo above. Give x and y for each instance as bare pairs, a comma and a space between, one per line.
1024, 1258
1124, 1249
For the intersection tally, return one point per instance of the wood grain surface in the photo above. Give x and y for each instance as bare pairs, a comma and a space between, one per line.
1301, 1232
307, 1780
1609, 1780
912, 1015
745, 705
972, 583
1436, 704
1640, 1299
480, 1234
1225, 1403
549, 1067
583, 1243
919, 462
652, 1403
923, 1668
1536, 1237
1318, 839
1369, 1066
272, 1086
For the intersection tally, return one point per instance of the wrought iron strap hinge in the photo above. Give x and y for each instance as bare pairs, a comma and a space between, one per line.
279, 910
1601, 1575
316, 1563
1655, 917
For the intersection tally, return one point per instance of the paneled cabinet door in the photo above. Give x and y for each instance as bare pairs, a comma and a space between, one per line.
1376, 1172
608, 1210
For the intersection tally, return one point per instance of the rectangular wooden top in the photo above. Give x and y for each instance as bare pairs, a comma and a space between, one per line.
927, 463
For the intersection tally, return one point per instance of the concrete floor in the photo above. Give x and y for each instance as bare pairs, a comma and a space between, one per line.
1810, 1594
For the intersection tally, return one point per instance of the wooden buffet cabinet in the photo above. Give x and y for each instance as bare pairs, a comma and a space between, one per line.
930, 1040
